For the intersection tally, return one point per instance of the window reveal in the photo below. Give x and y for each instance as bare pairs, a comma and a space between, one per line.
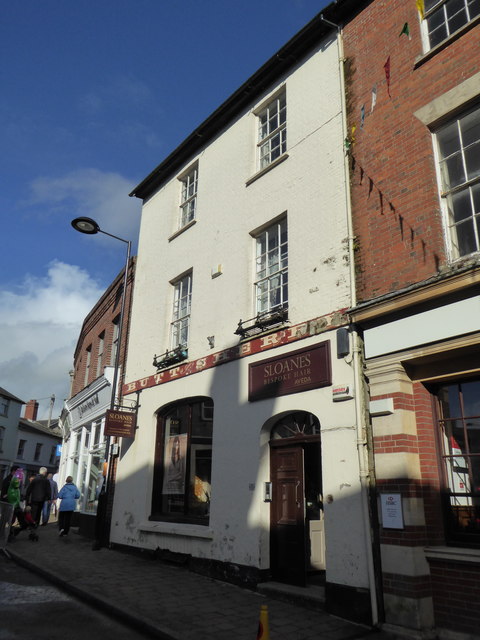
271, 285
182, 480
459, 151
459, 425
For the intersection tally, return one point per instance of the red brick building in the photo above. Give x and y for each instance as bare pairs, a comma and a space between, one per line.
413, 100
83, 418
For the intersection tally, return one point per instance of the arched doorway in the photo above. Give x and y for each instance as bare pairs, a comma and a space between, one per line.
297, 540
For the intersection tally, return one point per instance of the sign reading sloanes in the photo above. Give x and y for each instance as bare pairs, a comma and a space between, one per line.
120, 424
296, 371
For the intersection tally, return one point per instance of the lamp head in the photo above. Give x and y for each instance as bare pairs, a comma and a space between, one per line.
85, 225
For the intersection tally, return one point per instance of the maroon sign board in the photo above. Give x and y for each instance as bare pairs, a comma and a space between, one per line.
120, 424
300, 370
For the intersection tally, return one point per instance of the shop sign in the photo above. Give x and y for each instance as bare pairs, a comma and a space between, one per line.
296, 371
120, 424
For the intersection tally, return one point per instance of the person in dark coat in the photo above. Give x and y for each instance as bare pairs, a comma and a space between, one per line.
38, 491
68, 494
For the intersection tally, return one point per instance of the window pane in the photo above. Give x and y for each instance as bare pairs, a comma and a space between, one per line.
466, 237
474, 8
471, 397
449, 140
452, 171
461, 205
472, 161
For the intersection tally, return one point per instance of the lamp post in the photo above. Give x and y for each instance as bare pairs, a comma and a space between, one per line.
90, 227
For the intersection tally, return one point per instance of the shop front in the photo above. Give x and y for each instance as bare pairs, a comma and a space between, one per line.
245, 465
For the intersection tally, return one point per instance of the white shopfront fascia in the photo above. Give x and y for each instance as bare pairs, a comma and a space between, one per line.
85, 408
447, 321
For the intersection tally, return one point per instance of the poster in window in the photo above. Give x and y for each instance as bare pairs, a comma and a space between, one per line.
174, 464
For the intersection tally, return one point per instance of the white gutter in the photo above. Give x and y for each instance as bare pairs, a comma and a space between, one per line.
357, 361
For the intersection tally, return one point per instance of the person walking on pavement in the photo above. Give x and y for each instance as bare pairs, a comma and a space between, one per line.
38, 491
48, 503
68, 494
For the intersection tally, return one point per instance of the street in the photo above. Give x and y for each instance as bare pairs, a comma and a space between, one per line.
33, 608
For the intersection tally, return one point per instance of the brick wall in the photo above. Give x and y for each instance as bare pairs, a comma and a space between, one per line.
101, 319
397, 217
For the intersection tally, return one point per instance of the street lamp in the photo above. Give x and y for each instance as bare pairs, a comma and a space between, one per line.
90, 227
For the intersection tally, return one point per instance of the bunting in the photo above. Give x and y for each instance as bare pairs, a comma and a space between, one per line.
374, 98
362, 116
406, 31
386, 66
420, 4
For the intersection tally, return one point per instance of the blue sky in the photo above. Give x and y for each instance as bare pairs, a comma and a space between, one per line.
95, 94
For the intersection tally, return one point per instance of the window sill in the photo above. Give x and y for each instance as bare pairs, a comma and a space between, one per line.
443, 45
180, 231
455, 554
265, 170
177, 529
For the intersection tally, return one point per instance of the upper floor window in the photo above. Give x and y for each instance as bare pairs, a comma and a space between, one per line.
38, 451
444, 17
53, 454
116, 332
182, 300
4, 404
271, 283
459, 425
459, 152
272, 130
101, 347
2, 434
88, 360
188, 204
21, 448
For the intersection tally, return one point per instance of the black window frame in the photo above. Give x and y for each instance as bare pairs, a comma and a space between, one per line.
158, 512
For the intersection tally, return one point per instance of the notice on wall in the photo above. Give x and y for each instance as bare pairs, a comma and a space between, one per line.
392, 514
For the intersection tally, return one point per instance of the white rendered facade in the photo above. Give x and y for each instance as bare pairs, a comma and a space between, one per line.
236, 201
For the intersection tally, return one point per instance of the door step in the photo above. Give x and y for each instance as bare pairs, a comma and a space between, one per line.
311, 597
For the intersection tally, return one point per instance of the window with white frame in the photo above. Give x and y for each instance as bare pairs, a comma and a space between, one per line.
182, 299
88, 360
188, 204
101, 348
459, 155
272, 130
271, 281
444, 17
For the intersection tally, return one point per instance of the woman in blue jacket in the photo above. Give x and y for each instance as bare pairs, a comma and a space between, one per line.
68, 494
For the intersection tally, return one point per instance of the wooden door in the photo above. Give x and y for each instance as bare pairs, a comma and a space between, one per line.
287, 516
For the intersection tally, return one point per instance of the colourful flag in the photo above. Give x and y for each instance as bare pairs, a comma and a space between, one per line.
362, 116
406, 31
374, 97
386, 66
421, 8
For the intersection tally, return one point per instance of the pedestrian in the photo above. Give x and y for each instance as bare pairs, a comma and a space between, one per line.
68, 495
6, 484
38, 492
48, 503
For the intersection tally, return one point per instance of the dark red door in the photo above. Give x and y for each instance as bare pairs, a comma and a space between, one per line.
287, 516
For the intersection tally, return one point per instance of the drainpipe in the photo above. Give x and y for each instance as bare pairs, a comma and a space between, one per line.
357, 361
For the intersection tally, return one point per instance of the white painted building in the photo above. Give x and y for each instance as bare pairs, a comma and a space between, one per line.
246, 455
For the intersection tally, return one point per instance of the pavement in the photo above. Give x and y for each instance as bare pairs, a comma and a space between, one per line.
168, 601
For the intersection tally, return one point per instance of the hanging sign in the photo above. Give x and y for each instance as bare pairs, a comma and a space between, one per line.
120, 424
292, 372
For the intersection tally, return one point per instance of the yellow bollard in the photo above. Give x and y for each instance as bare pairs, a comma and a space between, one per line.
263, 629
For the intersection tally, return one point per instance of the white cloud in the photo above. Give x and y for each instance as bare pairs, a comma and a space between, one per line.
100, 195
39, 327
